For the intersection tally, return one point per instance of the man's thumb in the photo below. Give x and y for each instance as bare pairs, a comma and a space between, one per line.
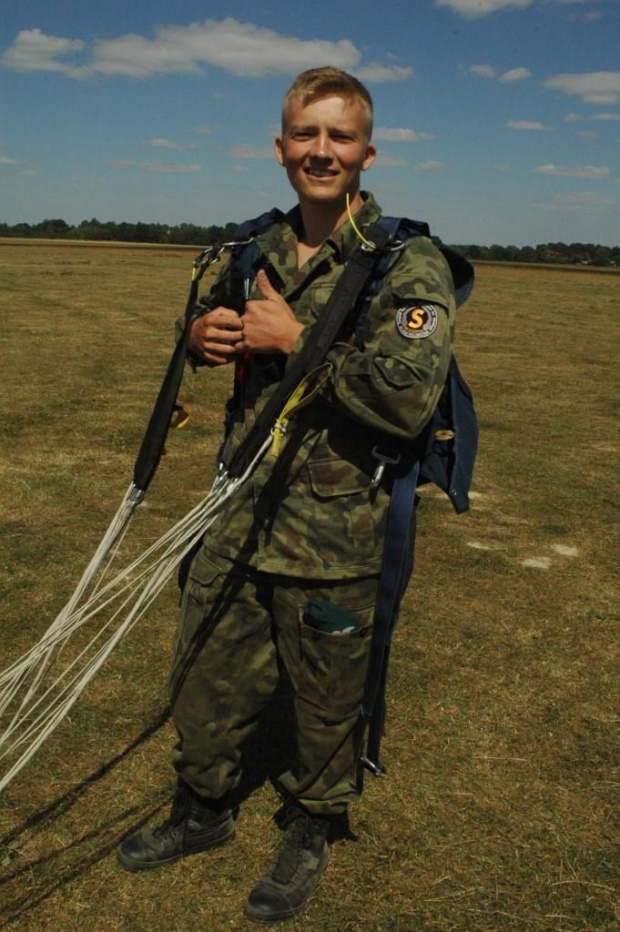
262, 280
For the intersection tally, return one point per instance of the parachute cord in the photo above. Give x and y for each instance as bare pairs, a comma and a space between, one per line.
136, 587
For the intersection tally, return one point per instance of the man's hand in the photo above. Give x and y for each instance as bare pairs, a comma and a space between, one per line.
269, 324
215, 336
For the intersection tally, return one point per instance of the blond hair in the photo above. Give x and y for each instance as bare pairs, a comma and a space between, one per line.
316, 83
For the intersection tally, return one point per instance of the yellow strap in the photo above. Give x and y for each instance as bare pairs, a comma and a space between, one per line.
305, 392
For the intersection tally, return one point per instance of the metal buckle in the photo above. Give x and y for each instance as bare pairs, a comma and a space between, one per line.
383, 460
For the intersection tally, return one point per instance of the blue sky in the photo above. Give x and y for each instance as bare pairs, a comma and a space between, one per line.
497, 121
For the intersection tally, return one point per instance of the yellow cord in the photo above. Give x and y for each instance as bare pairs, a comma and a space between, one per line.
305, 392
357, 230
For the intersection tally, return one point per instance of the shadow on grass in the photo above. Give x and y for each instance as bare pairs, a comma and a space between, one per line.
65, 802
265, 755
29, 902
59, 808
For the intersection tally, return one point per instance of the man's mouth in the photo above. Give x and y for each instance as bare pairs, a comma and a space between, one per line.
321, 172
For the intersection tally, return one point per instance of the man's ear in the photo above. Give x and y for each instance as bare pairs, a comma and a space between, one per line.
278, 148
371, 155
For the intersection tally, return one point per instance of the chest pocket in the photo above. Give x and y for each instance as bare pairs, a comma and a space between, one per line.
319, 295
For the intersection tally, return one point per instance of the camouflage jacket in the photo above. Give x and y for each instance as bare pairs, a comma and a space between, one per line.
312, 511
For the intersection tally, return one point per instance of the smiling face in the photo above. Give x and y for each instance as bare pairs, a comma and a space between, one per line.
323, 147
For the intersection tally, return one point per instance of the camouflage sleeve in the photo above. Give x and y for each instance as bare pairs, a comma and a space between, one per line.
395, 381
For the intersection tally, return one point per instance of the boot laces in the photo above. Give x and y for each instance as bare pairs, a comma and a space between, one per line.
297, 839
180, 806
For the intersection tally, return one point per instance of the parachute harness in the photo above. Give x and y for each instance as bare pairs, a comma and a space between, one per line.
31, 705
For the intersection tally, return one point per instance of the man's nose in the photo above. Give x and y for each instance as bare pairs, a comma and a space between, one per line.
322, 148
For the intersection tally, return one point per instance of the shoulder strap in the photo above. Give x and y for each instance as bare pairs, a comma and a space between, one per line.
245, 254
355, 279
462, 271
251, 228
397, 228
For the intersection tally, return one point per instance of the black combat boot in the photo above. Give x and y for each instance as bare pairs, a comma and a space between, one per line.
293, 874
192, 827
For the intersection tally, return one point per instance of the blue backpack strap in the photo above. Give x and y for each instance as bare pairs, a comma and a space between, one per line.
250, 228
462, 274
443, 454
245, 253
398, 229
396, 570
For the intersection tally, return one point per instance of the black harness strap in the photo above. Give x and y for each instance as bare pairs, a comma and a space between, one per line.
244, 253
152, 446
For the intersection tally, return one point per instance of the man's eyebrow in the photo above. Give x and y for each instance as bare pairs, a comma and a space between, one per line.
312, 127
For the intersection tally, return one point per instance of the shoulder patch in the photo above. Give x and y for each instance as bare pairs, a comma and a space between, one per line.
416, 321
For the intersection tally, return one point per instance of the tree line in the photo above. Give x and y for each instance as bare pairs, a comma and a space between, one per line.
183, 234
190, 234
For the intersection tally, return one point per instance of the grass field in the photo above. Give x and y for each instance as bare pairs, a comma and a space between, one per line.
500, 808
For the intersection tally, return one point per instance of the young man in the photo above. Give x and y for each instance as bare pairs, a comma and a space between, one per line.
286, 579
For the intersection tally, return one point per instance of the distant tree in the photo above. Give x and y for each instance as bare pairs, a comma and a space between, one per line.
51, 229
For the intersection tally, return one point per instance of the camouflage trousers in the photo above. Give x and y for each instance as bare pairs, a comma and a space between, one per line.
237, 628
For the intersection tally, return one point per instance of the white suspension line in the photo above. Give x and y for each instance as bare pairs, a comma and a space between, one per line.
146, 575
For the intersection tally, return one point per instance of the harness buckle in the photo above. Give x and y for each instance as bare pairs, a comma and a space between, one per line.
377, 770
383, 460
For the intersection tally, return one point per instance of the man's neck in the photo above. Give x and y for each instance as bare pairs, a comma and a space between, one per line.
322, 220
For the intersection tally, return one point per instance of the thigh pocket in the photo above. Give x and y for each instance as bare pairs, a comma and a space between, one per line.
197, 597
334, 663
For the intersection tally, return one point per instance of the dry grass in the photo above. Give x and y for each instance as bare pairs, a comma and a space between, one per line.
500, 810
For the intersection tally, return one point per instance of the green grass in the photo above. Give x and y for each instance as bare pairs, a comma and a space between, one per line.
500, 808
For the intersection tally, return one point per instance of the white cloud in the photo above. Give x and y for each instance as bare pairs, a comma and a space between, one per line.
584, 199
5, 160
515, 74
34, 51
149, 166
252, 152
527, 125
471, 8
593, 172
596, 117
483, 71
386, 160
502, 168
242, 49
202, 130
596, 87
375, 73
235, 47
431, 165
586, 134
399, 134
239, 48
160, 143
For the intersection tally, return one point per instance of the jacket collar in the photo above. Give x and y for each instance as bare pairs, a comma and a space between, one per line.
344, 240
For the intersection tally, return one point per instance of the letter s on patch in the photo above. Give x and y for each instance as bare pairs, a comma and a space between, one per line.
416, 321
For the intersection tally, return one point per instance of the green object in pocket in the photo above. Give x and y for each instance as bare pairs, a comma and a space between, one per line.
326, 616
